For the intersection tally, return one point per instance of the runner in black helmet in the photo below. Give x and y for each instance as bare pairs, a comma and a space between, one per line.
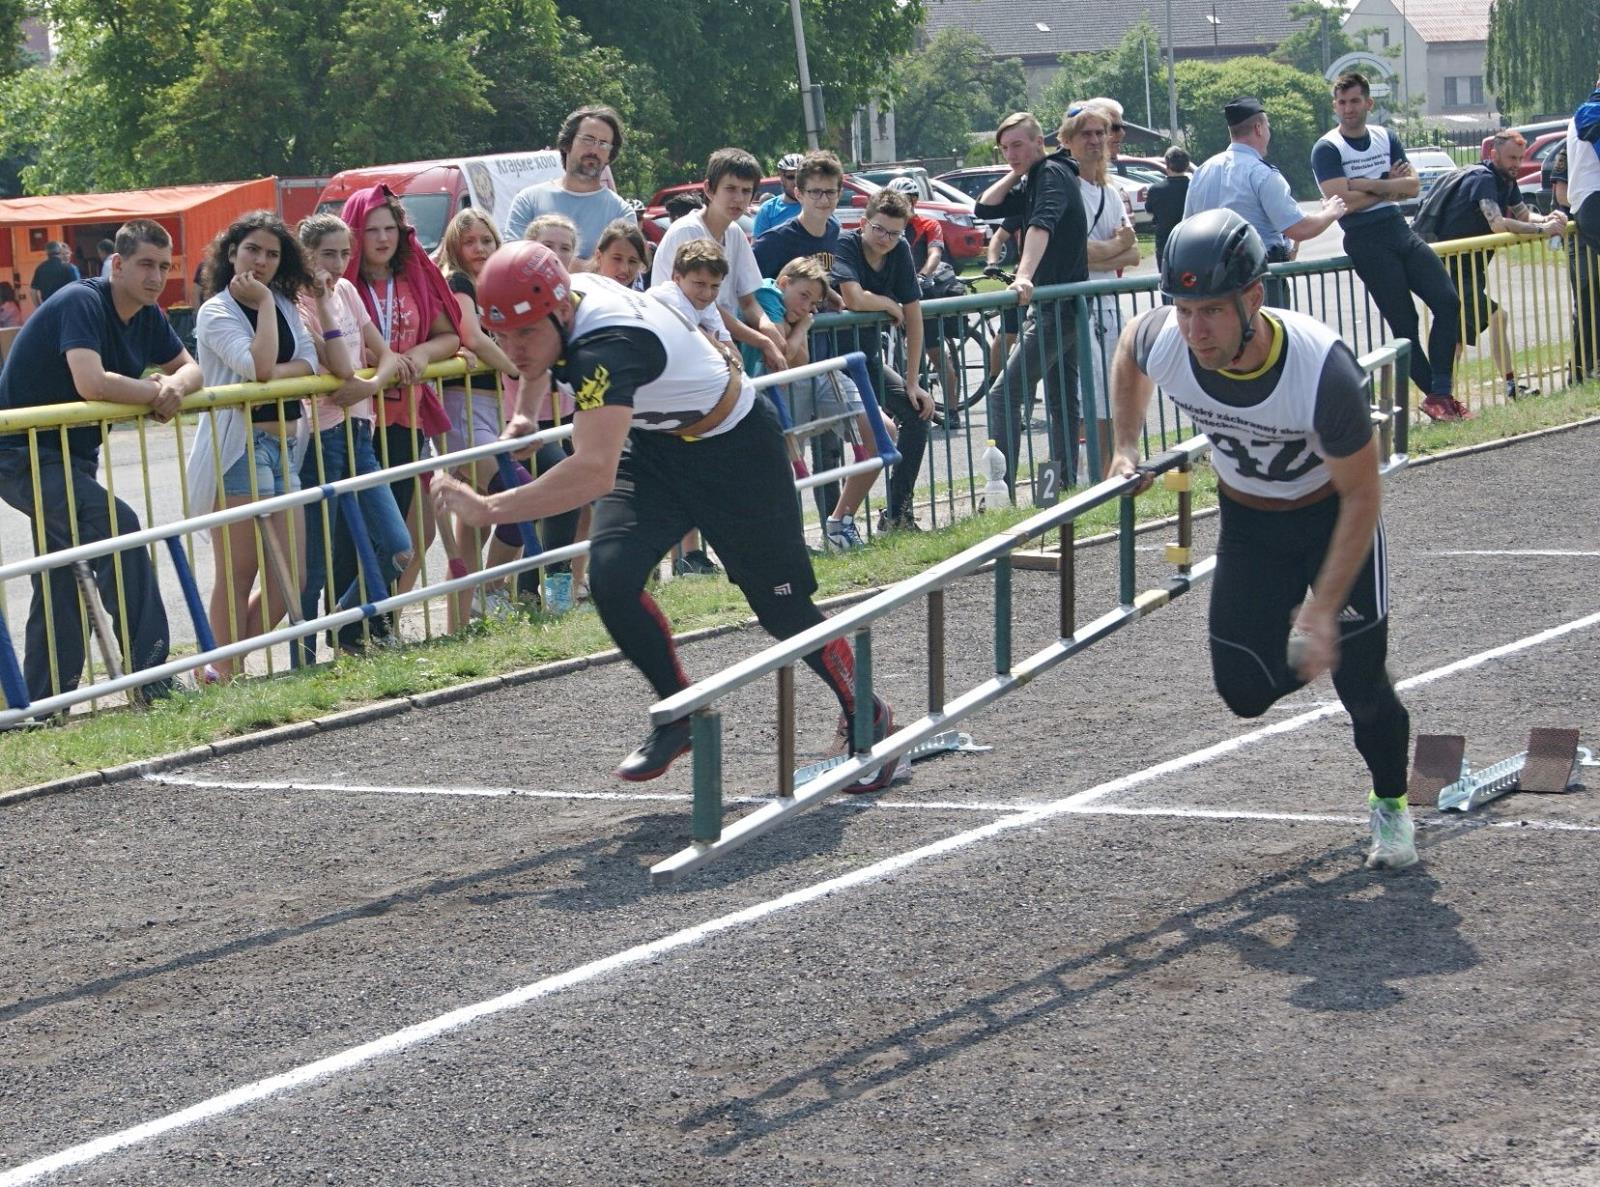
668, 436
1284, 403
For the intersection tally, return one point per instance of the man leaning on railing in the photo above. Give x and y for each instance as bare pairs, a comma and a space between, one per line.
1488, 201
1041, 193
92, 340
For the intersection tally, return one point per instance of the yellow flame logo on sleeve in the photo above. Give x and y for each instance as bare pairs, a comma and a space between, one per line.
593, 392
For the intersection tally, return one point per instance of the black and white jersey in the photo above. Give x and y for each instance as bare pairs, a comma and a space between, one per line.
1270, 429
626, 349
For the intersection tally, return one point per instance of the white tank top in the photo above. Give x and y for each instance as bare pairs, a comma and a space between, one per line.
1270, 449
696, 374
1372, 162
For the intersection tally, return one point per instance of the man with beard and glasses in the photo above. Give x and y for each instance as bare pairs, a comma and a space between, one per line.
589, 141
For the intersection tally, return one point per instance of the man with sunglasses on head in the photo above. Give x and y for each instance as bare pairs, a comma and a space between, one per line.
1117, 131
1041, 197
782, 207
589, 141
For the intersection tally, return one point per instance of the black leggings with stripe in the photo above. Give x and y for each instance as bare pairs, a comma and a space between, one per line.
1266, 562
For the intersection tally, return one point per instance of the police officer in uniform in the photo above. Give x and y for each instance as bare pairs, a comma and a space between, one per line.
668, 435
1284, 403
1239, 179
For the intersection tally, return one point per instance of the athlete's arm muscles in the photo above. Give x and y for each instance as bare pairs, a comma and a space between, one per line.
598, 435
1360, 498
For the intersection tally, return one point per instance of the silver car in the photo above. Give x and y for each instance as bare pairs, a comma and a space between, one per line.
1431, 164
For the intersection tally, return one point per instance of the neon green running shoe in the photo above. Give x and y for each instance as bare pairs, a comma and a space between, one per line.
1393, 835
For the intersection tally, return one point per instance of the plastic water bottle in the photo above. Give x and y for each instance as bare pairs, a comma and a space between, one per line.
995, 492
558, 592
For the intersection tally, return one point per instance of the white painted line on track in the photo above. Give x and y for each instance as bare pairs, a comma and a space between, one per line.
400, 1040
1552, 552
542, 794
1431, 821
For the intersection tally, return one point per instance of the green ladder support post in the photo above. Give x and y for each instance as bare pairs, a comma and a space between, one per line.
705, 733
1125, 554
864, 705
1090, 398
1002, 615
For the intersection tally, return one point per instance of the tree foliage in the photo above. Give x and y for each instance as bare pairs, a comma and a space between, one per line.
143, 92
1320, 41
1541, 56
725, 69
1298, 105
950, 89
1118, 73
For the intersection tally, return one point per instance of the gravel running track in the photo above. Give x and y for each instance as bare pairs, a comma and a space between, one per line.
1187, 981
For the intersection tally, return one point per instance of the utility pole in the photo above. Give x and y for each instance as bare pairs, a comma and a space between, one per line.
1216, 30
1149, 118
807, 92
1172, 82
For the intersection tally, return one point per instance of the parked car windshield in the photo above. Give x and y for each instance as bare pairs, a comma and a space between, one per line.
1430, 158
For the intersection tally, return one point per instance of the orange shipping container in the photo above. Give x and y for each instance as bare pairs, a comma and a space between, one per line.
192, 214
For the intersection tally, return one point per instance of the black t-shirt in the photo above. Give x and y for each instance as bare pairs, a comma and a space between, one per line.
51, 275
1342, 418
608, 365
1164, 200
460, 282
261, 413
1049, 197
895, 278
80, 316
1463, 217
790, 240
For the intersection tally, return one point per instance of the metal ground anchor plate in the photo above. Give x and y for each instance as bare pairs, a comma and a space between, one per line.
945, 743
1550, 764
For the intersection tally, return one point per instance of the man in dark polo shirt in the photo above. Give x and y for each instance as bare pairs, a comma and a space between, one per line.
1488, 201
1042, 192
91, 341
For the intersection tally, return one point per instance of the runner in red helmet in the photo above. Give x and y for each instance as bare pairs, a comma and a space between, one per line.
668, 435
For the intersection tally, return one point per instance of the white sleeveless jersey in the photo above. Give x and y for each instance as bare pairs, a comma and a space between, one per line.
696, 374
1270, 449
1372, 162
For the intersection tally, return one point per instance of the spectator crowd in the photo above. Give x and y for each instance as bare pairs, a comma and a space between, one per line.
353, 296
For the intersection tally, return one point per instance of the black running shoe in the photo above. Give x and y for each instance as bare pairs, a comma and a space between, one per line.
656, 753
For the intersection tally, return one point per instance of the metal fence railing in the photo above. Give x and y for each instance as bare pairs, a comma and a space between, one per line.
378, 592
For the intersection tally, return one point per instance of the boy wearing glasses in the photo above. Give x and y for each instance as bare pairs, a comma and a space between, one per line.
875, 273
813, 234
589, 141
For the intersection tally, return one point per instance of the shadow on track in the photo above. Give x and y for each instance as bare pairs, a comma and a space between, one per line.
1355, 932
614, 872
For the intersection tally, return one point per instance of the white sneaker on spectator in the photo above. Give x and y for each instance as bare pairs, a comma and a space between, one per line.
842, 534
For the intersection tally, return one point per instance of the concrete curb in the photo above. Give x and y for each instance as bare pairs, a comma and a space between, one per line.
362, 714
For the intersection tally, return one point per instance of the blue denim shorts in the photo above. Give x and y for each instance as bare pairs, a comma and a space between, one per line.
274, 475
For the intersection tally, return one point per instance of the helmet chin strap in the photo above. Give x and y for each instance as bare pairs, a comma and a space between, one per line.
1247, 328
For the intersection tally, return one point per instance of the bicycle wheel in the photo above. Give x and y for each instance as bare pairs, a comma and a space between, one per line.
972, 355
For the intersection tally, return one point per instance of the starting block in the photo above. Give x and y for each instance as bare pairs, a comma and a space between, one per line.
945, 743
1550, 764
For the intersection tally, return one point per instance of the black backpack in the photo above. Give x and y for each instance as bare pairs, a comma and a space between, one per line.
1431, 213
